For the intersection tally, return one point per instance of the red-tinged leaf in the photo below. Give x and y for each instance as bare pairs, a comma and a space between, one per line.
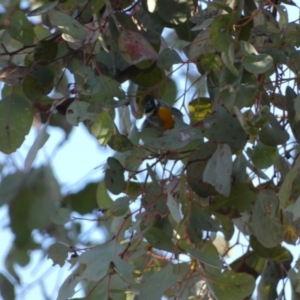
135, 48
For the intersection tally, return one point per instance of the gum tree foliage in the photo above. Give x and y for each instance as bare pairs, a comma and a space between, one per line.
170, 201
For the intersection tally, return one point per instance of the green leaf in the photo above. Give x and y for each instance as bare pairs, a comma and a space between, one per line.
283, 20
231, 286
258, 64
67, 289
33, 89
21, 29
103, 200
294, 209
16, 117
67, 24
135, 48
174, 208
42, 9
108, 90
248, 49
98, 260
195, 168
277, 253
262, 156
222, 127
119, 206
173, 139
120, 143
201, 219
273, 134
211, 61
45, 51
238, 91
207, 255
114, 181
174, 12
84, 201
103, 128
221, 31
157, 238
58, 253
10, 186
286, 187
228, 60
265, 220
114, 164
60, 216
201, 45
218, 170
156, 283
241, 198
180, 44
290, 97
38, 143
79, 111
267, 287
167, 58
149, 77
7, 290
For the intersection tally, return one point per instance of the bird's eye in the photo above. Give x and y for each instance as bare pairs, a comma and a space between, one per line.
150, 105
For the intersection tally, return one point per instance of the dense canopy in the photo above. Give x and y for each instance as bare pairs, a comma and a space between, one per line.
174, 207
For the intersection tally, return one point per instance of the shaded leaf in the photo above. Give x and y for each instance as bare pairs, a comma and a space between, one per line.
221, 31
232, 286
42, 9
273, 134
262, 156
67, 24
134, 47
15, 121
196, 166
258, 64
60, 216
21, 29
103, 127
157, 238
79, 111
155, 284
7, 290
207, 255
218, 170
222, 127
98, 260
265, 220
67, 289
174, 208
38, 143
114, 181
286, 187
120, 143
277, 253
167, 58
228, 59
103, 200
58, 253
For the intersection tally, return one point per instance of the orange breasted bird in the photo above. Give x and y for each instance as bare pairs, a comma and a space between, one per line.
160, 115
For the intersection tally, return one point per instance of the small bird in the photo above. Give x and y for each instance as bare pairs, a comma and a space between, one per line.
14, 75
160, 115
